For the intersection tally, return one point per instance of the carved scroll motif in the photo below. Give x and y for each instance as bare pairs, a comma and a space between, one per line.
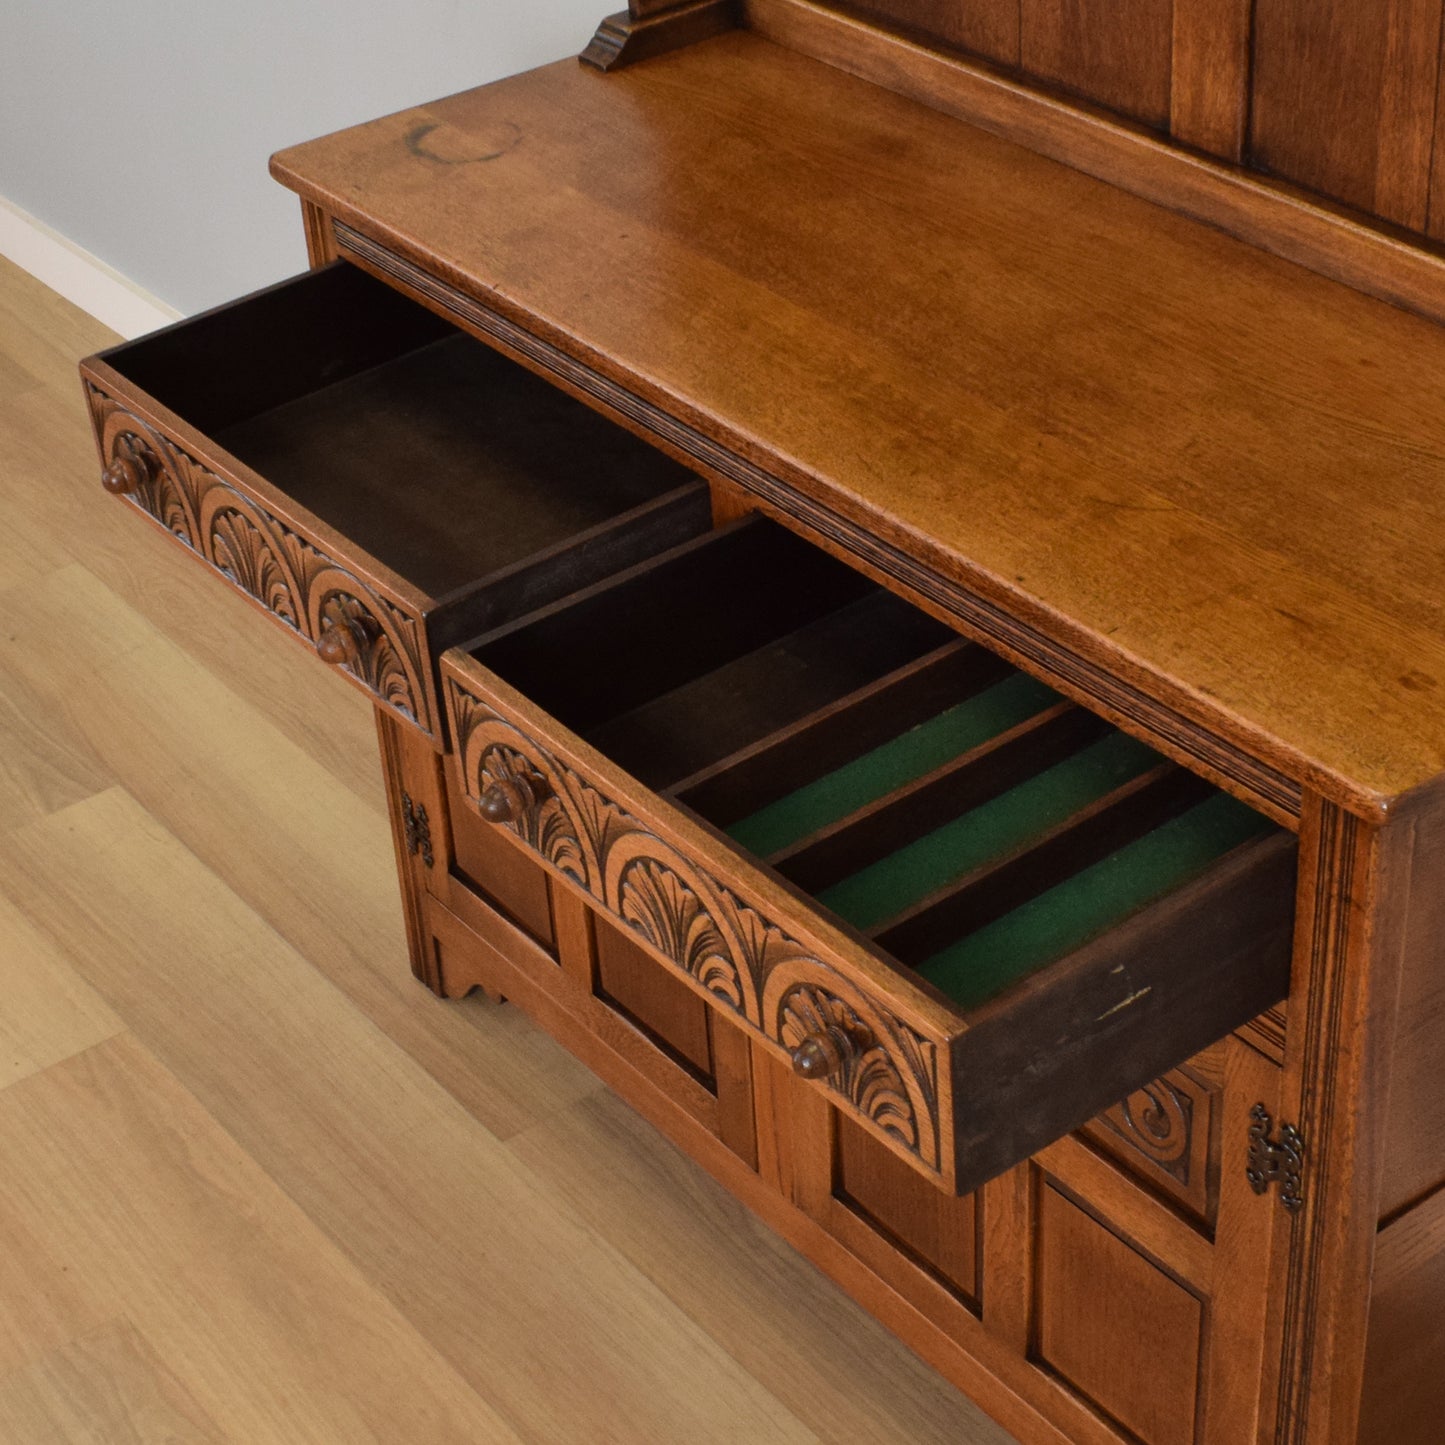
744, 960
1158, 1121
289, 576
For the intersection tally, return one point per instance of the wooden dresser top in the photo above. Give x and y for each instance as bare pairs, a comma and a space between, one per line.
1217, 474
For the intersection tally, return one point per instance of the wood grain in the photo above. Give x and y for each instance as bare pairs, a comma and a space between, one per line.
1344, 100
984, 27
1209, 82
1117, 53
363, 1121
1247, 445
164, 1215
50, 1013
1404, 1394
1151, 1317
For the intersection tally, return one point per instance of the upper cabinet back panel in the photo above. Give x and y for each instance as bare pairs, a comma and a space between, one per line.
1344, 100
1115, 53
989, 28
1339, 97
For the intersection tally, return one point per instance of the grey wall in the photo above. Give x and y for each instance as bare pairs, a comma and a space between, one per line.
141, 130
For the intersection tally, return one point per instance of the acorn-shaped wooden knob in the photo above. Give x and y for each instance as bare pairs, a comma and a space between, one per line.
338, 644
823, 1054
496, 804
123, 475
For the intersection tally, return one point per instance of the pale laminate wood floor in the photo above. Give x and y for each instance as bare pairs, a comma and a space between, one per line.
256, 1185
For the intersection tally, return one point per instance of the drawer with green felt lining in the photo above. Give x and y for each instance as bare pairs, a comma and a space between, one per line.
972, 910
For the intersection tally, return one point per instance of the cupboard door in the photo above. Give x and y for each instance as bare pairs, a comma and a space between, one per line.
1115, 1327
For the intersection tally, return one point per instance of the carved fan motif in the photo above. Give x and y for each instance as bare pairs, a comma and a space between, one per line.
253, 550
538, 816
656, 903
380, 664
687, 917
869, 1077
241, 552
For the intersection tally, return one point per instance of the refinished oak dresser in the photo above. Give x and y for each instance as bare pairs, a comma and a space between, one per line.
898, 555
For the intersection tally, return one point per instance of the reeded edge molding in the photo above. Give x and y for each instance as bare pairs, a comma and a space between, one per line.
1268, 789
1370, 256
1324, 1036
279, 569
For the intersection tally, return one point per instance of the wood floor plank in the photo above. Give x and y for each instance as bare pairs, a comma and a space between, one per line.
40, 771
124, 1176
546, 1321
298, 846
56, 1305
49, 1012
107, 1387
834, 1366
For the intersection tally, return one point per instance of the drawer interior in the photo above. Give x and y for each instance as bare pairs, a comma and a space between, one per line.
432, 453
968, 821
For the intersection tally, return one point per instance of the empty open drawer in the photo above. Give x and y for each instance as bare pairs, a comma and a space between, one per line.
974, 912
379, 483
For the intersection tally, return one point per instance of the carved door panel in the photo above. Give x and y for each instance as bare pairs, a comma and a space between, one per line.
1120, 1279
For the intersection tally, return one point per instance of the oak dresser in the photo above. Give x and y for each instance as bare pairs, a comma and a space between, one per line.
897, 552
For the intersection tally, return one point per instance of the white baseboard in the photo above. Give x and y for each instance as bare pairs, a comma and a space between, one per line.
83, 279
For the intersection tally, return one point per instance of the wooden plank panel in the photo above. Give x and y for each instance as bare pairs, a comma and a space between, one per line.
1281, 448
985, 27
1209, 88
1414, 1122
841, 1372
1117, 53
319, 863
1344, 99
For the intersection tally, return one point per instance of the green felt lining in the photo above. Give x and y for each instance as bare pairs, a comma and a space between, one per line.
1067, 916
988, 832
901, 760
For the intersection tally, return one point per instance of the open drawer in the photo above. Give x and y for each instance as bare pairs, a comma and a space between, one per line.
379, 483
973, 912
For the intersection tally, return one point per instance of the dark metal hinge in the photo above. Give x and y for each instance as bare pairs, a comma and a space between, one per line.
418, 829
1276, 1161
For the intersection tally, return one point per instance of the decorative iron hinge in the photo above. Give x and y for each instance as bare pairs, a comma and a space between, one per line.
418, 829
1276, 1161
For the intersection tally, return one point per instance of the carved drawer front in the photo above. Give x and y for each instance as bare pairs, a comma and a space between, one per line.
971, 912
378, 483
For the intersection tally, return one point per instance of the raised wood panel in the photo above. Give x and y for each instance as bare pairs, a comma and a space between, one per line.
642, 988
983, 27
1117, 1329
1344, 99
941, 1229
492, 866
1117, 53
